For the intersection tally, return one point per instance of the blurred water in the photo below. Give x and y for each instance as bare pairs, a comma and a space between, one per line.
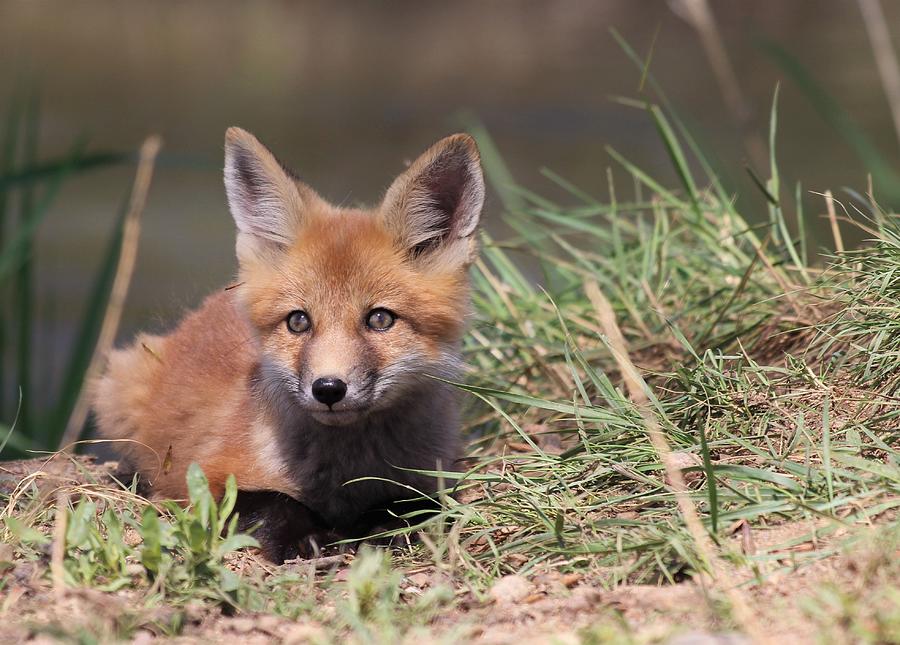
345, 92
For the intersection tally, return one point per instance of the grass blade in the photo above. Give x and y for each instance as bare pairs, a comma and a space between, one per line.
11, 254
23, 298
887, 180
7, 166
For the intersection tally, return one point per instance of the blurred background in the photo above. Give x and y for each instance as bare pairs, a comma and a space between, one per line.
346, 92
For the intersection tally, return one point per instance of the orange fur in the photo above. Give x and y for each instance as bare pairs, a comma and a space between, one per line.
184, 397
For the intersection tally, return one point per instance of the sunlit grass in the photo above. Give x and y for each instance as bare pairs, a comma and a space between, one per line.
773, 380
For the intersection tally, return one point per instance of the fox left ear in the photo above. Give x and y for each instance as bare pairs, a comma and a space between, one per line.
265, 200
434, 207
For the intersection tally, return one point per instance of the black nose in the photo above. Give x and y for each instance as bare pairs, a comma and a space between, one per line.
329, 390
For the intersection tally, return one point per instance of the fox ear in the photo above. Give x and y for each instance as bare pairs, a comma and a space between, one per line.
265, 200
433, 208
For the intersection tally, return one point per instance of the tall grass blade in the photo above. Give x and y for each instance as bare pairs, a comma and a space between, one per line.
711, 489
127, 257
886, 178
7, 166
11, 255
826, 447
676, 154
11, 431
23, 300
47, 170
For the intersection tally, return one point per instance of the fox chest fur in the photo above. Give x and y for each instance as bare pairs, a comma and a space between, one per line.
342, 476
320, 375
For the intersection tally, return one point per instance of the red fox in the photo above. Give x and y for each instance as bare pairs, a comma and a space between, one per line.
315, 368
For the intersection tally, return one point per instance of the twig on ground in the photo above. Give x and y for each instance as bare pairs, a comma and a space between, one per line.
58, 552
635, 385
325, 562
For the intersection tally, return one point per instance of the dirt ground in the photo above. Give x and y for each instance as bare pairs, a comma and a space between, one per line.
542, 609
545, 607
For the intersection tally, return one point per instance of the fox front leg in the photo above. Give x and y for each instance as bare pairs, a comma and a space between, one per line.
284, 527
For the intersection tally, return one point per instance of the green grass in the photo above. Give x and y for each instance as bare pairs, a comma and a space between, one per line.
774, 381
778, 377
29, 186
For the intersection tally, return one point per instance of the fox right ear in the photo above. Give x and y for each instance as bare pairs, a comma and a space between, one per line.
433, 208
264, 198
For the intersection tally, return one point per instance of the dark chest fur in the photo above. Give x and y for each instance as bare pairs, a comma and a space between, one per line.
324, 461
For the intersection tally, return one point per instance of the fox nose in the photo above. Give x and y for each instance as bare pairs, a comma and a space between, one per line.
328, 390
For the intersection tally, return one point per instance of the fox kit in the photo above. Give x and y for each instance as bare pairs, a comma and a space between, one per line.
316, 368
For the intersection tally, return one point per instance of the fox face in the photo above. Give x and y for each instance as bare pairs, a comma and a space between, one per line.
353, 309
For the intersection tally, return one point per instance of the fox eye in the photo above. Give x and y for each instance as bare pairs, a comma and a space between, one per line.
380, 319
298, 322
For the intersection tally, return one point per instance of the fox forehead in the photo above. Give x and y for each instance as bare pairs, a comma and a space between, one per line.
346, 253
344, 262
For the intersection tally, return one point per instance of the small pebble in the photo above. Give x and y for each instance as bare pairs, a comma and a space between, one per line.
420, 579
269, 623
584, 599
510, 589
143, 637
242, 625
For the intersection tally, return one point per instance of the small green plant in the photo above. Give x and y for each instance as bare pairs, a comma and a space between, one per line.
186, 550
174, 554
612, 628
180, 553
96, 552
374, 607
